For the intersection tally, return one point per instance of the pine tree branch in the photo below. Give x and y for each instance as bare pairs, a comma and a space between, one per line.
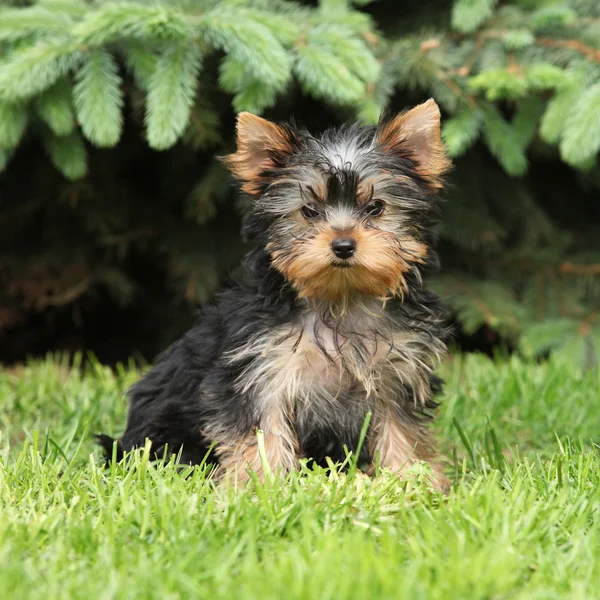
563, 268
67, 296
447, 80
571, 269
465, 70
445, 76
589, 52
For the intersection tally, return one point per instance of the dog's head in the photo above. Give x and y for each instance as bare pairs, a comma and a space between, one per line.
348, 212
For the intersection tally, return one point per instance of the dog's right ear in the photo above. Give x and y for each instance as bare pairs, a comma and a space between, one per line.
416, 134
261, 146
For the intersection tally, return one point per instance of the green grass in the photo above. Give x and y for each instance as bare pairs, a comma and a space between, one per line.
521, 521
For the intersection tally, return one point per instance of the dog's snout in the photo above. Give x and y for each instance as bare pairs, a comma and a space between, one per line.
343, 247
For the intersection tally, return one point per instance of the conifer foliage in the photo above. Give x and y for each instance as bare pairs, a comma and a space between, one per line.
110, 112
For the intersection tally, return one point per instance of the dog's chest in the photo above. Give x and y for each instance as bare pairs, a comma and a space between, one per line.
331, 360
313, 366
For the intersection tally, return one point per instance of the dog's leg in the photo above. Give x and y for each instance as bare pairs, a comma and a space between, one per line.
281, 449
398, 444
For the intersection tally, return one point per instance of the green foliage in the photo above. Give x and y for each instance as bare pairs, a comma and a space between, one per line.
581, 139
98, 100
68, 154
488, 302
251, 43
554, 14
333, 65
171, 92
13, 120
4, 156
518, 39
500, 84
29, 70
573, 341
18, 23
55, 108
461, 131
554, 119
503, 142
468, 15
520, 521
519, 87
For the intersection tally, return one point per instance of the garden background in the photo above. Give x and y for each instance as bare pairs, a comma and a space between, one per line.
116, 220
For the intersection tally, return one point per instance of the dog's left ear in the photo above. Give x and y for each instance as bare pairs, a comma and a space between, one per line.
261, 145
416, 135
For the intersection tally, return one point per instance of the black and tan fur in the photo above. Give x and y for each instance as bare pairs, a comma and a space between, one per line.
308, 343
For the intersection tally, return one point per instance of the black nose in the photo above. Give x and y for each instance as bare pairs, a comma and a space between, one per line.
343, 247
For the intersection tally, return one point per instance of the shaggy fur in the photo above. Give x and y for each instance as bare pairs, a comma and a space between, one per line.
314, 338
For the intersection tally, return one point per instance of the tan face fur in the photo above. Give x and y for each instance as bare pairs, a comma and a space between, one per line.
376, 269
395, 166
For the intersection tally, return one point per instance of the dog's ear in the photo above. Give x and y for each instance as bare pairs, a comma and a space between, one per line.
416, 135
261, 146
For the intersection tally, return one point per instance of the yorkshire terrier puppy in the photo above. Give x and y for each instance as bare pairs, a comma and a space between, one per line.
332, 321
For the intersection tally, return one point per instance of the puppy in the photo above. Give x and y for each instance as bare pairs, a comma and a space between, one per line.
331, 321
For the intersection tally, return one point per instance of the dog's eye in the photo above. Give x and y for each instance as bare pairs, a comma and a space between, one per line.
308, 212
375, 208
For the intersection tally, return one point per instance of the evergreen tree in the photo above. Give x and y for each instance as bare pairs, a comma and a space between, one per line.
111, 113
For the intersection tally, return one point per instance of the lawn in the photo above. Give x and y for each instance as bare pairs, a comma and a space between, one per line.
520, 522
